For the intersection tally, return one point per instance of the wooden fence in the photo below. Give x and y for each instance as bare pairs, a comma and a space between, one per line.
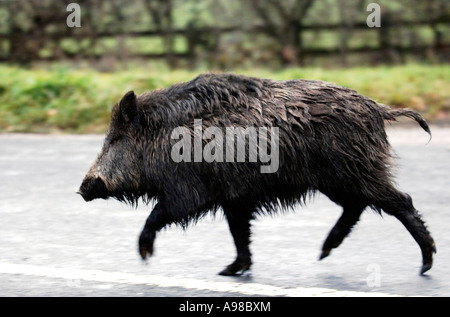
27, 47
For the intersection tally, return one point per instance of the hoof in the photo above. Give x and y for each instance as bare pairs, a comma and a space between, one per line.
425, 268
145, 252
324, 254
146, 245
428, 260
235, 269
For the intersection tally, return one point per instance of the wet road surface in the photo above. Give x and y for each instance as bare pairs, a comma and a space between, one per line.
52, 243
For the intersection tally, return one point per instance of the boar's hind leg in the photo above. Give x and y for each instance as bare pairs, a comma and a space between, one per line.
342, 228
239, 222
400, 206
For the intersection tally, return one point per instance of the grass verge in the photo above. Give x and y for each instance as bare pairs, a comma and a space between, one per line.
64, 100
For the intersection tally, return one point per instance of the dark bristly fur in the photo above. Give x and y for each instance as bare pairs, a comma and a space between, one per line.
331, 140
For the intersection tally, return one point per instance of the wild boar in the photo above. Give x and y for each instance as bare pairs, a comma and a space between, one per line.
174, 146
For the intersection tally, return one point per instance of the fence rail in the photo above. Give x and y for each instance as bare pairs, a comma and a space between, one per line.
21, 46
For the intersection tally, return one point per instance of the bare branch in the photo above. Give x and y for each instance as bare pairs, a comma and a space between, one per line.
301, 8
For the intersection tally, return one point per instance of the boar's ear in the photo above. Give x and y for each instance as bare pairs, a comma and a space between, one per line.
128, 107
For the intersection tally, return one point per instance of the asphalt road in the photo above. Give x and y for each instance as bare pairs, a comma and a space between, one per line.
52, 243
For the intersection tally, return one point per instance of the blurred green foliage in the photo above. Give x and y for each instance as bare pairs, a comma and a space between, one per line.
227, 33
64, 100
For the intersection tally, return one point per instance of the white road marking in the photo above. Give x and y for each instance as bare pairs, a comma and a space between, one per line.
74, 274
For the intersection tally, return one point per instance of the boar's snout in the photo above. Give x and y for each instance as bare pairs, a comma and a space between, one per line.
93, 188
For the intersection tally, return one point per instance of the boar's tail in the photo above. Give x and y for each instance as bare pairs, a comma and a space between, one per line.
391, 114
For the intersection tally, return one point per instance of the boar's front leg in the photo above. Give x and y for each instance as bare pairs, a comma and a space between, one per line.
238, 218
166, 212
157, 220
